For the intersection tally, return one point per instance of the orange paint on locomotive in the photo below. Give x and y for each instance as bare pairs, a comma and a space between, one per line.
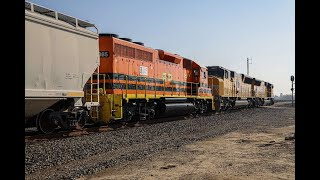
148, 71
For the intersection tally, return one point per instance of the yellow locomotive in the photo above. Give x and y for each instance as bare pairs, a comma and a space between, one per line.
231, 89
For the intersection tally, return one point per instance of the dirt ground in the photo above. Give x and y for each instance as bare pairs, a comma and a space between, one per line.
252, 155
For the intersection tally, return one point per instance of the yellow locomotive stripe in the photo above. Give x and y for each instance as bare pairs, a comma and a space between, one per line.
75, 94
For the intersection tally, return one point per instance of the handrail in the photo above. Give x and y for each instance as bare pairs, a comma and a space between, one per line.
193, 86
171, 89
164, 87
137, 87
126, 86
145, 87
190, 89
155, 87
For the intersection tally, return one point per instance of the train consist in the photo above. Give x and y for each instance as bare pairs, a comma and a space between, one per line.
68, 84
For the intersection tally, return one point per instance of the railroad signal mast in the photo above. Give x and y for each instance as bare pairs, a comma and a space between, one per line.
292, 79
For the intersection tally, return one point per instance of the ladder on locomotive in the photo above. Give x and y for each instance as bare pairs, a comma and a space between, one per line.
92, 96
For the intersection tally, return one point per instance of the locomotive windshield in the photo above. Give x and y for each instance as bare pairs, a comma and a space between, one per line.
217, 72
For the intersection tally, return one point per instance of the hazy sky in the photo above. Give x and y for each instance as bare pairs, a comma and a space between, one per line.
213, 32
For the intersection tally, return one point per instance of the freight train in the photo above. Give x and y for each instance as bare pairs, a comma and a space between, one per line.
75, 75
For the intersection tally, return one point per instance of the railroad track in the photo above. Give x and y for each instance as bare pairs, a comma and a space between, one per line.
32, 135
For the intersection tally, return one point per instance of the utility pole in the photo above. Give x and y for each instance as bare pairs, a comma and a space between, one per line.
248, 65
292, 79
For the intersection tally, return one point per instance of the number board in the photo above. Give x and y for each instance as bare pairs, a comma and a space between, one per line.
104, 53
144, 70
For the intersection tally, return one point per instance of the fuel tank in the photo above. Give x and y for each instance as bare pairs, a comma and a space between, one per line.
267, 102
174, 108
241, 103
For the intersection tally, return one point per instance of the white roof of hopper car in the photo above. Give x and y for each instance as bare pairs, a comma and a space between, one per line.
56, 15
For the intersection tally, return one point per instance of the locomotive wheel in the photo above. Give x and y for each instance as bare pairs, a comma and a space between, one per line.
82, 120
46, 123
225, 105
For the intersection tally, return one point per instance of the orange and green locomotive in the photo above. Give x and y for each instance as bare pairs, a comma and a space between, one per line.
138, 82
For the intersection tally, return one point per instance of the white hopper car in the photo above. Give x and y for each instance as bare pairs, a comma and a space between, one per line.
61, 55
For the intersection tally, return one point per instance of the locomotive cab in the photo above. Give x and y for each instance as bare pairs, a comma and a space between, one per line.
226, 77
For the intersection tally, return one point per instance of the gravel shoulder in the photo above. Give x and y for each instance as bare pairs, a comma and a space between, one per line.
130, 153
237, 155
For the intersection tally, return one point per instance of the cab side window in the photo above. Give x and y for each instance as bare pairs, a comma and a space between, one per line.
196, 72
